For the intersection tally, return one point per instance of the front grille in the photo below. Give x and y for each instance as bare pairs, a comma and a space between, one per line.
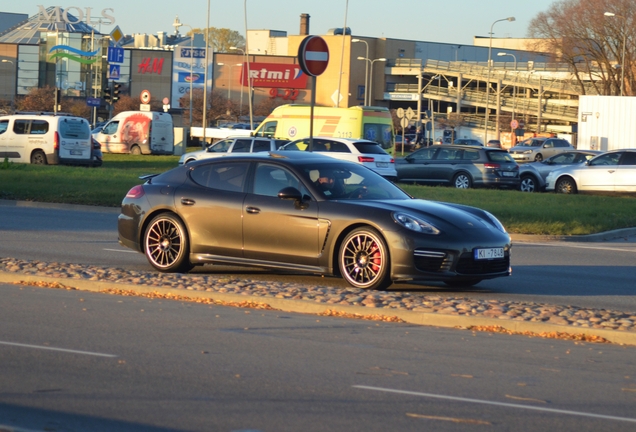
467, 265
432, 261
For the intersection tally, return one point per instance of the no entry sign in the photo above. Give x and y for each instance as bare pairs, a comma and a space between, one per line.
313, 55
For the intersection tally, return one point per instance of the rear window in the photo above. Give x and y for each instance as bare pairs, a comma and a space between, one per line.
500, 156
369, 148
72, 128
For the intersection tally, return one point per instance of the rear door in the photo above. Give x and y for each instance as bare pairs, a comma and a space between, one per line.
625, 180
417, 166
75, 138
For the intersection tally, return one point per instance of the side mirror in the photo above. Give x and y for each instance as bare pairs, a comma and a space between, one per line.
290, 193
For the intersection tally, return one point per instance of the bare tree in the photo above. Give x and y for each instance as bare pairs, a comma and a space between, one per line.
580, 34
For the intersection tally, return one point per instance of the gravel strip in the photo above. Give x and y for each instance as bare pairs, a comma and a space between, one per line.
373, 300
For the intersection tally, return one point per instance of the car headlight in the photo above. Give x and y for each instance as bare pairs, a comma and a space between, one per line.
415, 224
495, 221
528, 151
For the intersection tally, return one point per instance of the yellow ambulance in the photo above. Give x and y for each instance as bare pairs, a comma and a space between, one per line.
359, 122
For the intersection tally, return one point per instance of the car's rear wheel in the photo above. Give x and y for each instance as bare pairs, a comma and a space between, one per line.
363, 259
462, 283
462, 181
38, 158
135, 150
166, 244
566, 185
538, 157
528, 184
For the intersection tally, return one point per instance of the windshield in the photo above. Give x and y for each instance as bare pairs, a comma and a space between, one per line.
333, 181
531, 142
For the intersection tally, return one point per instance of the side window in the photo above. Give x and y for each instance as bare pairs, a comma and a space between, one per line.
270, 179
260, 146
268, 129
444, 155
471, 154
629, 158
242, 146
423, 155
607, 159
548, 144
39, 127
21, 127
339, 147
110, 128
4, 125
222, 176
220, 147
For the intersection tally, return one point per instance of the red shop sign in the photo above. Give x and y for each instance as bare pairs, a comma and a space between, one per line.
275, 75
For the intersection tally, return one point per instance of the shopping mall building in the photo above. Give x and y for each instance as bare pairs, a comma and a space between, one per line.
68, 48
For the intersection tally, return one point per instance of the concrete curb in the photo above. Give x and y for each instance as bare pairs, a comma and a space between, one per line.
308, 307
598, 237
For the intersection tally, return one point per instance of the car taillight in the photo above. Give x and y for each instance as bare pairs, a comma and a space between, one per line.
56, 141
135, 192
492, 166
363, 159
392, 160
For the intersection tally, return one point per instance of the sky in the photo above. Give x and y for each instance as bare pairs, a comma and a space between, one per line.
451, 21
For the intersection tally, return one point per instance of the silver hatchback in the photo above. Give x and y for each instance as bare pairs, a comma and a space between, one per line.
537, 149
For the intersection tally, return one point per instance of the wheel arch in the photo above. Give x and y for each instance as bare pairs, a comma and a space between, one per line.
333, 259
150, 216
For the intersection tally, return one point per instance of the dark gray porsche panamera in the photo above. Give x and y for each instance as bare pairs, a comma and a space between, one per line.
305, 212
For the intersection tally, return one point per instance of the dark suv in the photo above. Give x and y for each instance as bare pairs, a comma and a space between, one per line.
460, 166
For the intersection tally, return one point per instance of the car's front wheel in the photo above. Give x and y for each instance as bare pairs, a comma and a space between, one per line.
538, 157
363, 259
135, 150
462, 181
528, 184
166, 244
566, 185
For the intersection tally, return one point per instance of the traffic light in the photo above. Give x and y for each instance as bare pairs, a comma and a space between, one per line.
116, 90
107, 96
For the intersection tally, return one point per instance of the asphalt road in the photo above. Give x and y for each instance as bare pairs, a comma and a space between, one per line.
79, 361
599, 275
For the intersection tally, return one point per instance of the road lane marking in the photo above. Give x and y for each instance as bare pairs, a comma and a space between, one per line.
500, 404
56, 349
578, 246
121, 250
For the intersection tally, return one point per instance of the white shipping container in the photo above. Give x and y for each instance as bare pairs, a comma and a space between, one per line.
606, 122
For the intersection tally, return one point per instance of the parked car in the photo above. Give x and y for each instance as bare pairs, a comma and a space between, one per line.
533, 174
469, 142
45, 138
227, 146
365, 152
459, 166
613, 171
537, 149
274, 210
409, 143
494, 143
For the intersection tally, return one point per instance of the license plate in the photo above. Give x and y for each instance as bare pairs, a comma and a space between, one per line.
77, 152
382, 164
490, 253
508, 174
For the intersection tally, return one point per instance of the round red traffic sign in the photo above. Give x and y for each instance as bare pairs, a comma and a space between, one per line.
313, 55
144, 96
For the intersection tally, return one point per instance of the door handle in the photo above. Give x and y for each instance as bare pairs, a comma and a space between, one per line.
187, 201
253, 210
611, 171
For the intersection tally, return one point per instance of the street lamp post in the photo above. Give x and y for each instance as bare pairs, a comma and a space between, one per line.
178, 24
489, 69
366, 68
248, 81
514, 88
611, 14
370, 62
249, 72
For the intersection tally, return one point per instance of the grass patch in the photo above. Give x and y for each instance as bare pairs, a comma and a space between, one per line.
523, 213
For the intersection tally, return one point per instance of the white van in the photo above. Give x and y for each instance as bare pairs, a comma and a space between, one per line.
138, 132
45, 138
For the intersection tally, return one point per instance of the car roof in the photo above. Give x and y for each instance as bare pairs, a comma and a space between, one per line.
342, 140
294, 156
